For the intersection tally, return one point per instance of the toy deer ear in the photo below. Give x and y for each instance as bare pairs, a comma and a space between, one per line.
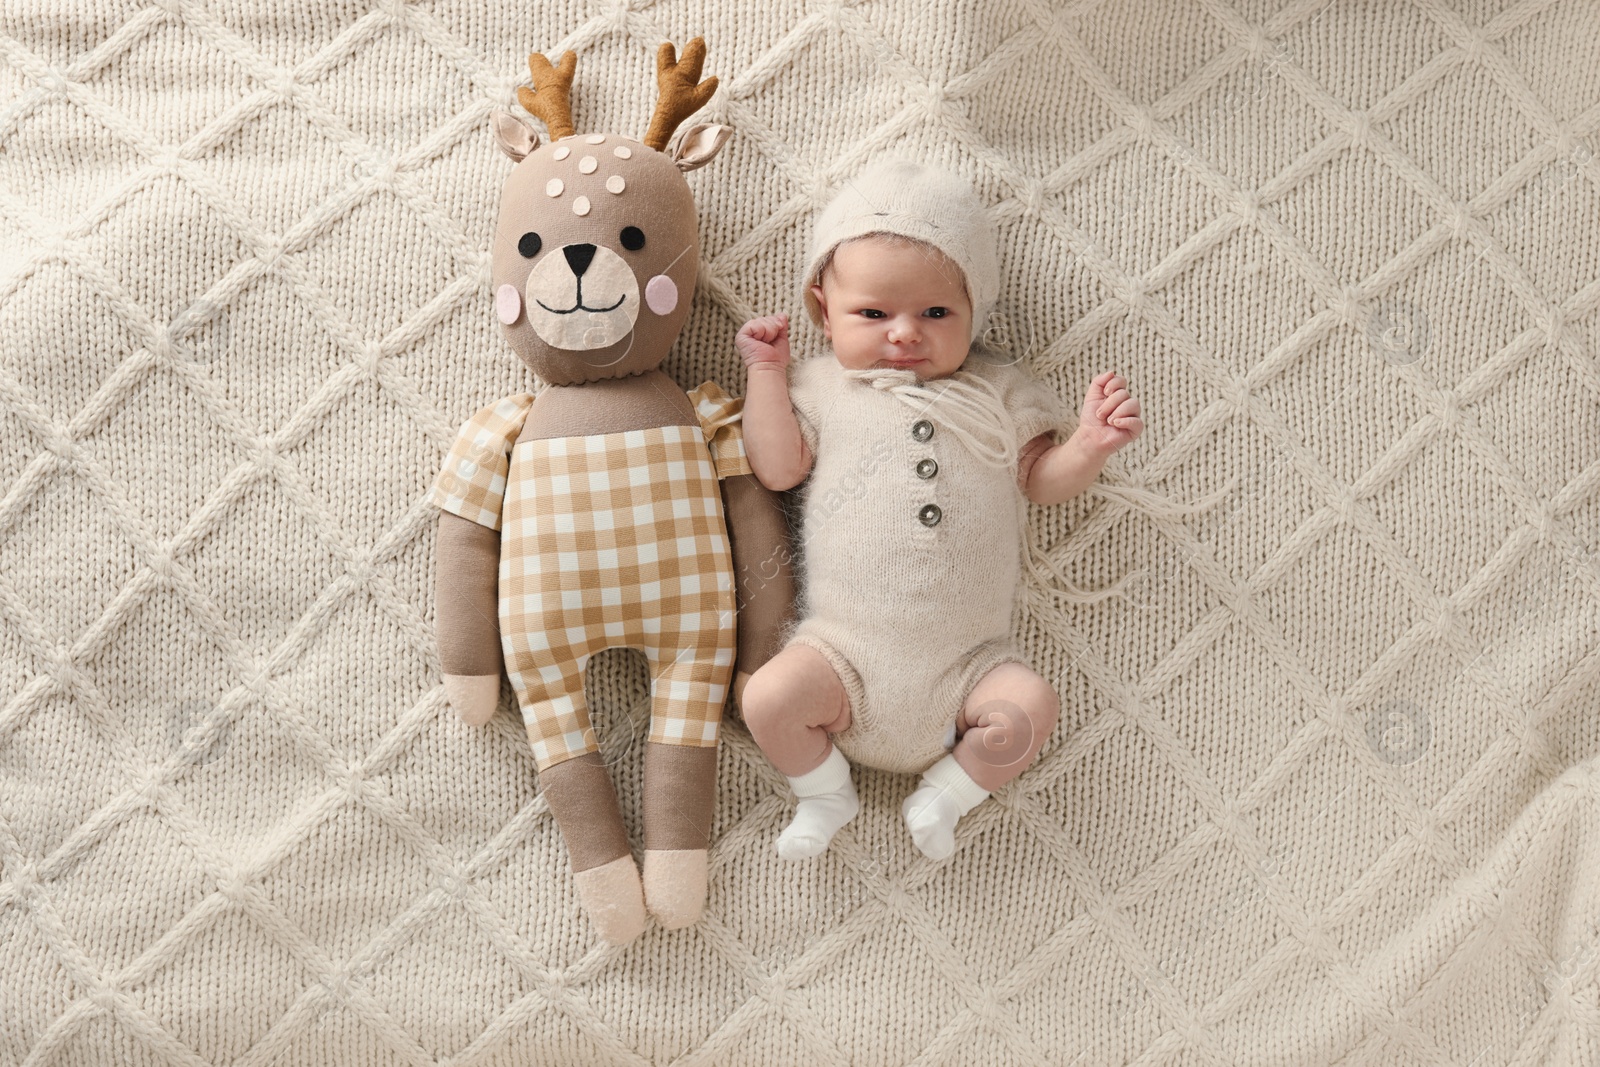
699, 144
516, 138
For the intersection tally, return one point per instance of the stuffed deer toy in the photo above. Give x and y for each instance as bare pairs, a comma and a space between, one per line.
612, 508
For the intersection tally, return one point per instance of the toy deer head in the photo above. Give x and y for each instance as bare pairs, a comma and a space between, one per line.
597, 248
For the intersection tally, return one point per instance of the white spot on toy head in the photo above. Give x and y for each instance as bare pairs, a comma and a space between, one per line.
553, 187
622, 151
508, 304
580, 206
661, 293
615, 183
596, 138
562, 153
587, 164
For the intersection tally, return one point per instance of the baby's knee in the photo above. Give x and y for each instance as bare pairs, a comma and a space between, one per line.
761, 704
1019, 684
1043, 706
795, 688
1014, 688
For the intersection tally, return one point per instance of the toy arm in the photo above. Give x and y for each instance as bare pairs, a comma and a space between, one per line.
758, 534
466, 598
469, 492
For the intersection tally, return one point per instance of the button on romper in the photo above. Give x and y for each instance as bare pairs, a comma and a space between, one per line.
910, 548
607, 540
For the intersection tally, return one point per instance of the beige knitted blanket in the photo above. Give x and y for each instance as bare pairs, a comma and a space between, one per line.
1326, 787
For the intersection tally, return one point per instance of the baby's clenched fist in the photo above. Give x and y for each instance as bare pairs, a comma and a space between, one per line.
764, 340
1110, 416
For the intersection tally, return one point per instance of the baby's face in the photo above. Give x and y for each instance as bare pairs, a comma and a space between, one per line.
895, 306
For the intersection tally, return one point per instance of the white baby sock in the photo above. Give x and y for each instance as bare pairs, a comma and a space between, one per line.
827, 802
947, 792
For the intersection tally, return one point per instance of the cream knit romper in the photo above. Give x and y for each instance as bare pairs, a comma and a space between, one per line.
910, 549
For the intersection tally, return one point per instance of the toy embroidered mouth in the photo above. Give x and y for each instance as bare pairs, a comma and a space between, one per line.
579, 306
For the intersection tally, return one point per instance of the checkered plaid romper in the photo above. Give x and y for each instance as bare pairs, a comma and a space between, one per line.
605, 540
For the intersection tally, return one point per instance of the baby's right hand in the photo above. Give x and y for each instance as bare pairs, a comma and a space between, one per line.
764, 340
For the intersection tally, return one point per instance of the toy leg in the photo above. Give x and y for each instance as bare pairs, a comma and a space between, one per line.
758, 533
577, 786
688, 690
584, 805
680, 792
791, 704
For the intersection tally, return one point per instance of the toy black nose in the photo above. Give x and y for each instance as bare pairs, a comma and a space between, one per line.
579, 257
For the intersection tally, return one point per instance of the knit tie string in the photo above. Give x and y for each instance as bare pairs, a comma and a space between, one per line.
965, 405
1057, 586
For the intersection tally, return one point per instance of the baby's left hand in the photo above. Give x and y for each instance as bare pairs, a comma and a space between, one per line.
1110, 417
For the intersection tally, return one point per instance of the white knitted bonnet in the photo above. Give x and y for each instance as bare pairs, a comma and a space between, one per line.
903, 197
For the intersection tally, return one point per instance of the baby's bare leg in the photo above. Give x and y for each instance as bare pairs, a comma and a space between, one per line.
1004, 723
791, 704
1006, 720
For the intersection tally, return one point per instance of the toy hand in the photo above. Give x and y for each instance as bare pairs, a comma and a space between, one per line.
764, 340
1110, 417
474, 696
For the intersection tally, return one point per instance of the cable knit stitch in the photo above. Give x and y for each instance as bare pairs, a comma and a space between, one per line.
1325, 788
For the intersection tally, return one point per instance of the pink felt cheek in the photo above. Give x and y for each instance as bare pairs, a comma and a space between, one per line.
507, 304
661, 294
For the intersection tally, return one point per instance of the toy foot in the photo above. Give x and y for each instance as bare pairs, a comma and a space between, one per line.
613, 899
675, 885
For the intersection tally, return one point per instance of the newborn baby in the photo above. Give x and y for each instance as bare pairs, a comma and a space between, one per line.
913, 515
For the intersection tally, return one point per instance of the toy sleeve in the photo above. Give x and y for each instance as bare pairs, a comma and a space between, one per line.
722, 421
472, 481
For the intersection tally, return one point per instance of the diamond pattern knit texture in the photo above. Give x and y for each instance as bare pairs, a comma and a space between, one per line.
1326, 786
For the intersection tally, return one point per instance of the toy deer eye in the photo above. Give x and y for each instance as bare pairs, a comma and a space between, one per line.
632, 238
529, 245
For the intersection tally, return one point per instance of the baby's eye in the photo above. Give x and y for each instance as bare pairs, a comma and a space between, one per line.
938, 312
872, 313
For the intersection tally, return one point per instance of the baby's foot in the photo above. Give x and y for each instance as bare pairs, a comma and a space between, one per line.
931, 812
827, 802
816, 820
931, 816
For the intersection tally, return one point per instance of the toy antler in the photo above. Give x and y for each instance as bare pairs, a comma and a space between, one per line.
682, 91
553, 101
